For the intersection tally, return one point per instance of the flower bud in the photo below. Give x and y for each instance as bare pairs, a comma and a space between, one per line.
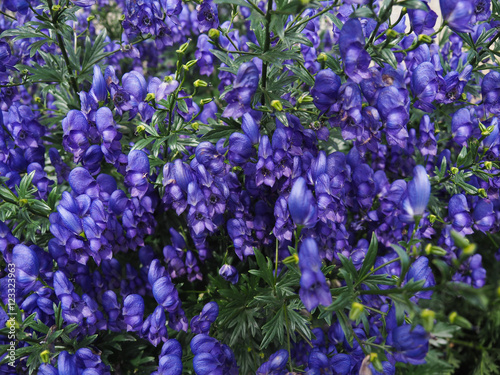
459, 240
482, 193
432, 218
488, 165
470, 249
276, 104
140, 128
356, 311
305, 98
195, 125
423, 38
90, 18
122, 17
56, 8
292, 259
213, 34
183, 47
190, 63
149, 97
322, 57
45, 356
200, 83
460, 321
454, 170
205, 101
391, 34
428, 317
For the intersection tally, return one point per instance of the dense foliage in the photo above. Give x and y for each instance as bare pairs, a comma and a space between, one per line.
239, 187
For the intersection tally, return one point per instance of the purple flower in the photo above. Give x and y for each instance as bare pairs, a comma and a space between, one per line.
352, 50
99, 88
424, 84
275, 365
313, 288
75, 129
302, 204
462, 126
229, 273
201, 323
410, 345
458, 14
133, 311
458, 212
490, 90
483, 215
420, 270
244, 87
27, 267
137, 172
422, 21
264, 170
207, 16
427, 141
325, 91
419, 191
392, 105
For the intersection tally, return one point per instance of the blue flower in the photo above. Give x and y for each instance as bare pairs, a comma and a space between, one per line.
99, 88
424, 84
275, 365
208, 17
244, 87
419, 191
325, 91
490, 90
302, 204
229, 273
137, 171
410, 345
457, 14
133, 311
352, 50
462, 126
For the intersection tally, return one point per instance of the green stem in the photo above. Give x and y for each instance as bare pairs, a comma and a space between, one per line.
8, 15
288, 338
267, 44
392, 291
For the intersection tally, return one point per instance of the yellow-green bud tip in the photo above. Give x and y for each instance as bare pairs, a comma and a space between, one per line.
213, 34
200, 83
276, 104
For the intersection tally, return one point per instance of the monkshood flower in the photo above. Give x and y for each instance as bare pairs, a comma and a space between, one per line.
427, 143
229, 273
204, 56
325, 91
410, 344
208, 17
392, 105
154, 327
318, 363
82, 182
424, 85
133, 311
244, 87
462, 126
313, 288
454, 85
201, 323
422, 21
161, 89
459, 214
137, 172
250, 128
212, 357
276, 365
420, 270
419, 192
27, 268
352, 50
5, 56
482, 11
490, 90
264, 170
75, 132
458, 14
99, 89
483, 216
302, 205
111, 146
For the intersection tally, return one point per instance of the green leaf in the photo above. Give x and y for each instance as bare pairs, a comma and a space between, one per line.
349, 266
388, 56
403, 257
413, 4
363, 12
370, 256
275, 328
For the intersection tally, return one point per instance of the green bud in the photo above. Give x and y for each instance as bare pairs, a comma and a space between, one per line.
213, 34
422, 38
90, 18
292, 259
432, 218
375, 361
428, 317
454, 170
470, 249
488, 165
488, 130
200, 83
205, 101
459, 320
391, 34
276, 104
190, 63
168, 79
45, 356
149, 97
183, 47
322, 57
140, 129
56, 8
482, 193
498, 291
23, 202
122, 17
24, 72
356, 311
195, 125
305, 98
459, 240
437, 250
38, 99
305, 2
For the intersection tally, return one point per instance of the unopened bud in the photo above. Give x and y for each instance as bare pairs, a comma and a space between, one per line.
322, 57
488, 165
122, 17
183, 47
24, 72
391, 34
423, 38
213, 34
38, 99
200, 83
140, 128
292, 259
356, 311
205, 101
432, 218
470, 249
149, 97
482, 193
276, 104
459, 320
45, 356
90, 18
195, 125
428, 317
56, 8
459, 240
454, 170
305, 98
